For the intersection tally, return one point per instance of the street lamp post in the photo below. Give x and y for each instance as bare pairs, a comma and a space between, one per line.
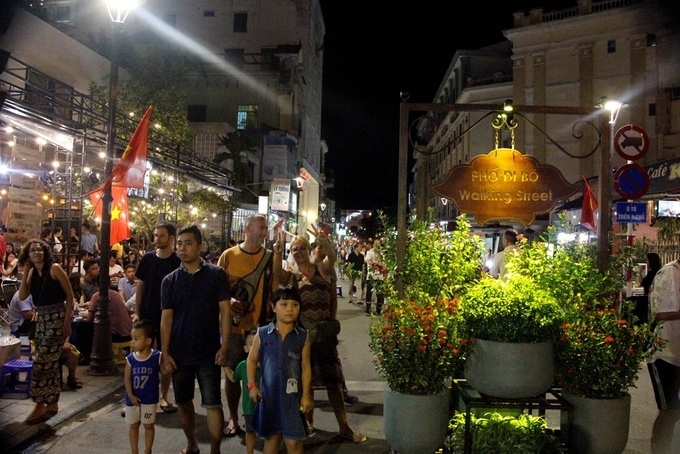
102, 350
610, 113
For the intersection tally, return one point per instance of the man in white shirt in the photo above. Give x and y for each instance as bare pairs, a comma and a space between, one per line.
509, 239
664, 365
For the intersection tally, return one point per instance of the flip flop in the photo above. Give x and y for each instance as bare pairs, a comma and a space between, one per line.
168, 408
231, 431
189, 451
356, 437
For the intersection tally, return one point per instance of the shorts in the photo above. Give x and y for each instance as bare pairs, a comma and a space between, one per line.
146, 413
249, 424
209, 378
666, 383
236, 351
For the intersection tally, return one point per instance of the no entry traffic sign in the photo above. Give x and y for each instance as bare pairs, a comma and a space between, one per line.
631, 142
631, 181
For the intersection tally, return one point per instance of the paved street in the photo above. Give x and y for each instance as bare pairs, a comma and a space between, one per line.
100, 429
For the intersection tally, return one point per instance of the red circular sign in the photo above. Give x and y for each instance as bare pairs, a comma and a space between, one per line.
631, 142
631, 181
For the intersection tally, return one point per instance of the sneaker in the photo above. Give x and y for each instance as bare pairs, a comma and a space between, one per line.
350, 400
360, 302
368, 314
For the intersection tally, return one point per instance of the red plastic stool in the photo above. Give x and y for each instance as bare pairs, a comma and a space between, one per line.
16, 388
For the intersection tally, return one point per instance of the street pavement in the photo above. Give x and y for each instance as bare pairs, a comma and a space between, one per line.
89, 419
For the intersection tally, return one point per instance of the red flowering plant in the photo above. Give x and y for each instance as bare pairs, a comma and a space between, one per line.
417, 345
417, 341
600, 350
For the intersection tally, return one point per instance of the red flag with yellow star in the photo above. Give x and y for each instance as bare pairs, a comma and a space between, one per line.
120, 228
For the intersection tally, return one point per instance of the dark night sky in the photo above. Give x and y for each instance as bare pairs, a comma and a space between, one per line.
370, 55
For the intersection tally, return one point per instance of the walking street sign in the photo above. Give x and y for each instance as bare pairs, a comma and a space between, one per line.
504, 184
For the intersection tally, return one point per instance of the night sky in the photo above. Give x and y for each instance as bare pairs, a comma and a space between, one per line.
370, 55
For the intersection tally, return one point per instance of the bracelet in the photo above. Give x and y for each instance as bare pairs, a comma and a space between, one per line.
251, 385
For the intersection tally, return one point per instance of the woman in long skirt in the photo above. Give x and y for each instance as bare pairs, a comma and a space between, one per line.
48, 285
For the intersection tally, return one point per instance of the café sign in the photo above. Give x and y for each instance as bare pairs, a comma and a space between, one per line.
504, 185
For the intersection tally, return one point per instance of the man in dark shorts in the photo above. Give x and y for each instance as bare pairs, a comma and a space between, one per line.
152, 269
664, 365
195, 328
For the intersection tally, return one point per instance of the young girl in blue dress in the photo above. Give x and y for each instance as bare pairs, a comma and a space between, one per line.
285, 389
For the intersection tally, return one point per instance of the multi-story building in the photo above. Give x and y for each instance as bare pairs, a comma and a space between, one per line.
259, 71
623, 49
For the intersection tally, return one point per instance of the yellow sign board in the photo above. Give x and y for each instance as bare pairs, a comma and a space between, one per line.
504, 185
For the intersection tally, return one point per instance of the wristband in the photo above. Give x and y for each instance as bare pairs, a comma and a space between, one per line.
251, 385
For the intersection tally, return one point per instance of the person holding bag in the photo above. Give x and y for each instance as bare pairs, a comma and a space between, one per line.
318, 317
47, 283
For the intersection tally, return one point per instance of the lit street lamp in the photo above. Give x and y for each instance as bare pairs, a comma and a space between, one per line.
102, 350
611, 109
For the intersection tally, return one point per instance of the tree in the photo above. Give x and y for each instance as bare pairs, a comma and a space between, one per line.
238, 145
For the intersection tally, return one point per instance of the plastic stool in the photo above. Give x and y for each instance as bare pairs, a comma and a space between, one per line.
340, 291
16, 388
119, 352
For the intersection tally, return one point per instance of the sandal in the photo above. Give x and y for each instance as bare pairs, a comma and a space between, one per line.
355, 437
74, 383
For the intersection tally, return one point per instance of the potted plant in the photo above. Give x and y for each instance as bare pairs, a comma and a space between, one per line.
498, 434
513, 323
600, 346
416, 342
598, 358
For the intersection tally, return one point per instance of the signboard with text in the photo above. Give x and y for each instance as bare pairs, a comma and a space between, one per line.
280, 194
631, 212
503, 185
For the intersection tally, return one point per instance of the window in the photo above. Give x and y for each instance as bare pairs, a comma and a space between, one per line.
651, 40
651, 110
269, 62
234, 57
62, 14
170, 19
240, 22
247, 117
208, 13
197, 113
611, 46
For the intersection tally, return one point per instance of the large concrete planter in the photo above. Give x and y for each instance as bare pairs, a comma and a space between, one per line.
508, 370
415, 424
600, 425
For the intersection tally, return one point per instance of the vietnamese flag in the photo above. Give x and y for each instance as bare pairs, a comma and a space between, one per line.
589, 207
120, 228
130, 170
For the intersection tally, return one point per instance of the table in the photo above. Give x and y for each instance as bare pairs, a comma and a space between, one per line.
10, 350
551, 400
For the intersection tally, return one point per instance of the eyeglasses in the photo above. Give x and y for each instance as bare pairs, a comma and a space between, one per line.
299, 248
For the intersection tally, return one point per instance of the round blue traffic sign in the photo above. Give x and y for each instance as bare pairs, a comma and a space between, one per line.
631, 181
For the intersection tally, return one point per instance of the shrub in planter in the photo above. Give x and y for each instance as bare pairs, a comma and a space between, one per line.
525, 434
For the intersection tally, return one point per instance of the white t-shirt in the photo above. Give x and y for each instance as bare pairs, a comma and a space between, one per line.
664, 296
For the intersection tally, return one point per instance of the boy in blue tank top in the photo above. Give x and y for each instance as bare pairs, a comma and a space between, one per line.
142, 372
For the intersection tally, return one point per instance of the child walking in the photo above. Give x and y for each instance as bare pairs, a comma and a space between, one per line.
142, 373
285, 389
240, 375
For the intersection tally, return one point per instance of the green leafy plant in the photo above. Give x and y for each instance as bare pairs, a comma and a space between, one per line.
417, 341
600, 351
437, 264
513, 310
525, 434
418, 345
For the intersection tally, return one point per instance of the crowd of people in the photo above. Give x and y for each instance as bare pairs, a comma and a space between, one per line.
188, 320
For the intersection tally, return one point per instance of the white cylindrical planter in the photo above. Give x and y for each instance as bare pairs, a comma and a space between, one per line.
600, 425
509, 370
415, 424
